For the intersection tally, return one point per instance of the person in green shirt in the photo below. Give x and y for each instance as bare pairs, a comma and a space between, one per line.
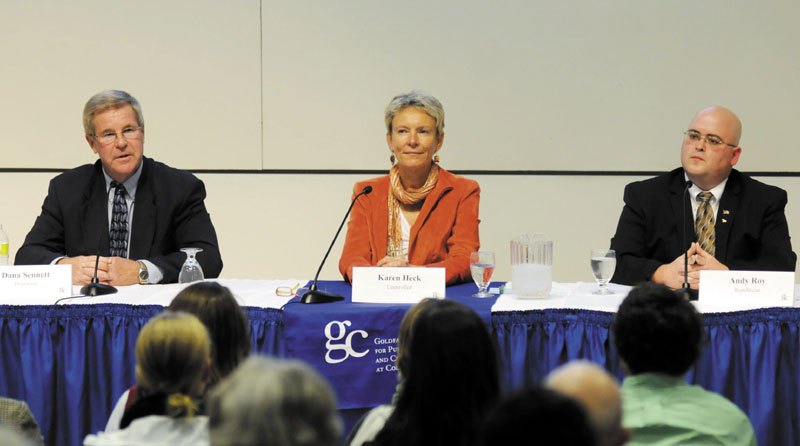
659, 336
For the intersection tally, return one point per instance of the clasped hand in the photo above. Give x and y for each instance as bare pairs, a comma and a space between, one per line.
672, 274
115, 271
390, 261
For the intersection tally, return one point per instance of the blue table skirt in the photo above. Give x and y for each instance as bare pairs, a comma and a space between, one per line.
70, 363
751, 357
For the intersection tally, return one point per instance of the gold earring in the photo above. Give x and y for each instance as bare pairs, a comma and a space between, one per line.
436, 159
391, 158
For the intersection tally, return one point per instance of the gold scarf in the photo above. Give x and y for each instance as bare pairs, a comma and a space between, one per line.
394, 244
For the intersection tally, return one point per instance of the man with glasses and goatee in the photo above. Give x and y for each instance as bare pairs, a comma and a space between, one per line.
731, 220
135, 213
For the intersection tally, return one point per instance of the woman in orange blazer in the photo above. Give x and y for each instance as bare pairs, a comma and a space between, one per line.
419, 214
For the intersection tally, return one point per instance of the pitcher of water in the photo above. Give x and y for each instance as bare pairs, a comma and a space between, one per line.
531, 266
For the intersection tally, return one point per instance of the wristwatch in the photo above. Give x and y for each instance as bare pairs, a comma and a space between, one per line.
144, 276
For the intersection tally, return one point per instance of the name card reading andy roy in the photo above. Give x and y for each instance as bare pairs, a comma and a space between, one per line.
34, 284
397, 285
747, 288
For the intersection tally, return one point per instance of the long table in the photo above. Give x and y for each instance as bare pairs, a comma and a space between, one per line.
71, 362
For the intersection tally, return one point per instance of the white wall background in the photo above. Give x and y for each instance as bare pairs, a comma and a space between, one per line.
255, 85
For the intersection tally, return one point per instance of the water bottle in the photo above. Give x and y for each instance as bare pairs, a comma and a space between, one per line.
3, 247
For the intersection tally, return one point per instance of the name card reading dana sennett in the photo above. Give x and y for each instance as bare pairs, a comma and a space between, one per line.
34, 284
397, 285
747, 288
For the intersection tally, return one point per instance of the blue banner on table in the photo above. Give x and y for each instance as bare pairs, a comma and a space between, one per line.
354, 346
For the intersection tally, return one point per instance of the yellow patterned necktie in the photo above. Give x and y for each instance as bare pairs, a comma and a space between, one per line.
704, 223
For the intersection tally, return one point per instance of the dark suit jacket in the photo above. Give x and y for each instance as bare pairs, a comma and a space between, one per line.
751, 232
168, 214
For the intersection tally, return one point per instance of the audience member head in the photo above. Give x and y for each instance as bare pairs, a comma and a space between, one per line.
173, 359
108, 100
10, 436
538, 416
711, 146
225, 320
656, 330
450, 376
404, 336
421, 100
275, 402
598, 392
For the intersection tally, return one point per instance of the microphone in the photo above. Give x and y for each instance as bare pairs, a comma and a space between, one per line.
688, 293
313, 295
95, 288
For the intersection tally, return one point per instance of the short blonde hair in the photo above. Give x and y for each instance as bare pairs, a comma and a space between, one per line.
421, 100
107, 100
173, 352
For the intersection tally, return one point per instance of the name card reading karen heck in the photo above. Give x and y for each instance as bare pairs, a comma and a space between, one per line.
34, 284
397, 285
747, 288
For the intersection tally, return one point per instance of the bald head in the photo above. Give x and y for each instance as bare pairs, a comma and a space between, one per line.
709, 156
598, 392
726, 123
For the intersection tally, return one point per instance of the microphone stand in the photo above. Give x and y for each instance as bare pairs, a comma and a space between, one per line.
313, 295
686, 290
95, 288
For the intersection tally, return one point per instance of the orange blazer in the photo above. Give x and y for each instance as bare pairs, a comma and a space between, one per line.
444, 234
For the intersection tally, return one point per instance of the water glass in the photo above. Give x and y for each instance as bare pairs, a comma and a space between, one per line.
604, 262
481, 265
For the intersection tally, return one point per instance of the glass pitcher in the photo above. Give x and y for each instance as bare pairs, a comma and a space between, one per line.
531, 266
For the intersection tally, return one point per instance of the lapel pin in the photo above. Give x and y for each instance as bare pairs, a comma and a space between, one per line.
724, 221
725, 212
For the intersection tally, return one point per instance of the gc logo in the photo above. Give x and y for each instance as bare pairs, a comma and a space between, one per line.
347, 346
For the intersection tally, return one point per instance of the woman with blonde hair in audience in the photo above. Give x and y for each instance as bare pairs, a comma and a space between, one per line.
227, 326
173, 368
449, 380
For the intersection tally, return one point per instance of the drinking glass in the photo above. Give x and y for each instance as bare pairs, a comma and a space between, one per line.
604, 261
481, 265
191, 271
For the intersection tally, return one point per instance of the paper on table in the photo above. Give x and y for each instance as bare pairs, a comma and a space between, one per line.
248, 293
564, 295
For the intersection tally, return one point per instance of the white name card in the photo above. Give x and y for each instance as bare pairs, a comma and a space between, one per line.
397, 285
746, 288
34, 284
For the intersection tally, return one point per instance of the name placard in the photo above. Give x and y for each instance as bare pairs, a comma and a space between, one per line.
34, 284
397, 285
747, 288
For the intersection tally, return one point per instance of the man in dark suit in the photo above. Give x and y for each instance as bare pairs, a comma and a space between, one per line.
153, 212
732, 221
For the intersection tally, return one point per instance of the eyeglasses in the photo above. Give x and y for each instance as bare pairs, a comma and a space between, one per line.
285, 291
713, 140
132, 133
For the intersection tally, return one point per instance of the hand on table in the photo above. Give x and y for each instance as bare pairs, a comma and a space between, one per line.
671, 274
115, 271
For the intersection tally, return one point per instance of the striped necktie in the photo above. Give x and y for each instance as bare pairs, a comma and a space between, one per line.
704, 223
118, 233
